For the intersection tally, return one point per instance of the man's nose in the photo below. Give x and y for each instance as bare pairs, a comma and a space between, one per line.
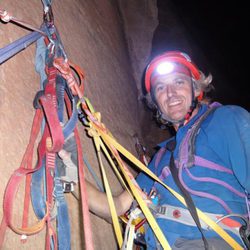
170, 89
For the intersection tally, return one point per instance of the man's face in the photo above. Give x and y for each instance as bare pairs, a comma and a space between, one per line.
173, 93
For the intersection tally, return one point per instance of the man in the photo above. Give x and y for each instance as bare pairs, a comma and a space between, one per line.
207, 161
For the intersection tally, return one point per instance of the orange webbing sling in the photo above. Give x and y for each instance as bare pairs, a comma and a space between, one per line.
53, 134
51, 142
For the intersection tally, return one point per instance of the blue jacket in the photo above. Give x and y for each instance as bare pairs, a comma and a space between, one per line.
223, 138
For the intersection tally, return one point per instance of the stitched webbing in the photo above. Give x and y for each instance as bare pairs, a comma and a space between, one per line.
187, 148
14, 182
52, 131
84, 199
113, 146
188, 199
201, 215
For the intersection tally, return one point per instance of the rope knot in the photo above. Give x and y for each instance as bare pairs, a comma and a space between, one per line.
64, 68
93, 132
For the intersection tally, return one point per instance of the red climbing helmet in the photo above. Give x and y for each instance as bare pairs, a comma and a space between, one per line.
171, 61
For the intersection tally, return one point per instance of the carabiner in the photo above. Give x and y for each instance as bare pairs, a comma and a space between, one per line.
48, 16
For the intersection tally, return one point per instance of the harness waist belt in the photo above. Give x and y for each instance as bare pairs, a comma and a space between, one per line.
183, 216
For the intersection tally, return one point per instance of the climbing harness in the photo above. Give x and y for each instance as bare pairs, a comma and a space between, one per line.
201, 215
187, 159
115, 147
188, 200
175, 173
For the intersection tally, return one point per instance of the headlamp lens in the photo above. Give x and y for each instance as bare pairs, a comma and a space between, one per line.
165, 68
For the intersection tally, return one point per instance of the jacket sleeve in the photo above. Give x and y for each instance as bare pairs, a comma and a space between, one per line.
145, 182
238, 141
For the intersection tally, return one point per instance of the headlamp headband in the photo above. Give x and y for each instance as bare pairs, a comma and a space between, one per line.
172, 57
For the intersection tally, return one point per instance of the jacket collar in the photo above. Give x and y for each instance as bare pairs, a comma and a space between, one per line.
203, 108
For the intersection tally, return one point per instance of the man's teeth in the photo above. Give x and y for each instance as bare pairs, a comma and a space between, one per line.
174, 103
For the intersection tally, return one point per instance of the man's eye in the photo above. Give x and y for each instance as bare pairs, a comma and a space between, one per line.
179, 82
159, 88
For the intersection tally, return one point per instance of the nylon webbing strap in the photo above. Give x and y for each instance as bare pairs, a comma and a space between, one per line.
147, 213
53, 132
140, 165
112, 144
84, 199
15, 47
151, 220
137, 192
14, 183
190, 204
109, 193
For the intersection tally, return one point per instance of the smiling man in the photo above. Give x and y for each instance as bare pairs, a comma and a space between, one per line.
207, 161
173, 95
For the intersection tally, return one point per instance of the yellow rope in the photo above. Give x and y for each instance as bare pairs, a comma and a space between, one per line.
113, 146
109, 194
139, 164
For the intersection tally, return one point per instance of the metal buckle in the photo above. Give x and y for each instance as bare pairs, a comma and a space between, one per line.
68, 187
161, 210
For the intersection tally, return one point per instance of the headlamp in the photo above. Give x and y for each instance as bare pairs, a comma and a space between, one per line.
162, 65
165, 68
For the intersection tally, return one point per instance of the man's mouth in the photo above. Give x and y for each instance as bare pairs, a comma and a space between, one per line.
174, 103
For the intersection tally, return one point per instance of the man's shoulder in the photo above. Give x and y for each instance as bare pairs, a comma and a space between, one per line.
231, 111
227, 116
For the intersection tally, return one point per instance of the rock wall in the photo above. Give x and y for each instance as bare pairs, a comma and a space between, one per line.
93, 36
140, 20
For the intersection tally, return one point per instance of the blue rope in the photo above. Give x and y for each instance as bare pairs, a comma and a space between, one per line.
15, 47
